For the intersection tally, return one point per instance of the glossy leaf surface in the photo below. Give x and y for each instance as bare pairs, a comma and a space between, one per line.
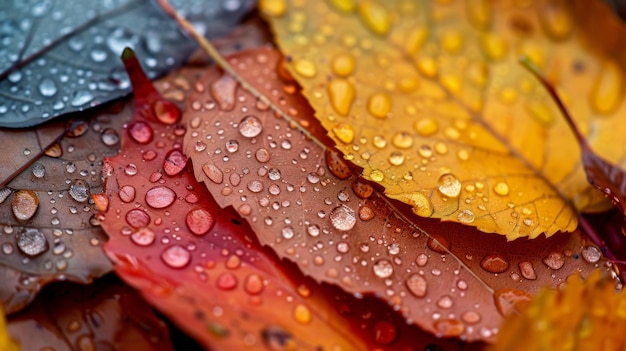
63, 56
312, 209
201, 265
105, 315
428, 97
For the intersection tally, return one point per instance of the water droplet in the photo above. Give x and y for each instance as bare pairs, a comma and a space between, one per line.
80, 98
262, 155
110, 137
509, 299
445, 302
47, 87
379, 105
287, 232
305, 68
4, 194
213, 173
313, 230
199, 221
554, 260
450, 186
143, 237
341, 93
494, 263
174, 163
466, 216
343, 65
337, 165
253, 284
494, 46
417, 285
375, 16
127, 193
556, 19
591, 254
527, 270
396, 158
275, 8
166, 112
255, 186
377, 175
141, 132
160, 196
7, 248
384, 333
302, 314
24, 205
383, 268
250, 126
606, 93
79, 190
176, 256
137, 218
273, 173
32, 242
223, 90
501, 189
98, 55
402, 140
470, 317
38, 170
232, 146
449, 328
362, 189
343, 218
344, 132
227, 281
438, 244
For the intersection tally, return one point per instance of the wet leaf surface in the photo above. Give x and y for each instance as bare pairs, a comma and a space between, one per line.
104, 315
556, 320
430, 100
312, 209
200, 264
58, 57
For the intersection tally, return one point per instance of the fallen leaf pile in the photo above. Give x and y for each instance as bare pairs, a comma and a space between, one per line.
329, 175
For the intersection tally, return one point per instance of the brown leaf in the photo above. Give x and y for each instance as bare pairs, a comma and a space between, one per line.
311, 208
103, 315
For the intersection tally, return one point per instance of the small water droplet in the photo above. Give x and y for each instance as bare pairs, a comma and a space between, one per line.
450, 186
262, 155
417, 285
554, 260
32, 242
466, 216
494, 263
384, 333
287, 232
143, 236
527, 270
141, 132
383, 268
213, 173
305, 68
227, 281
79, 190
341, 93
253, 284
47, 87
302, 314
199, 221
591, 254
166, 112
501, 189
127, 193
38, 170
313, 230
176, 256
137, 218
449, 328
80, 98
110, 137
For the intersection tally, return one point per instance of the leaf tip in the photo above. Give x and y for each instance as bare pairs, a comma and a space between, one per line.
128, 54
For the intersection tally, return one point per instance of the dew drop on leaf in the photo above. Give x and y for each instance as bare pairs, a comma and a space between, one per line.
176, 256
527, 270
110, 137
384, 333
160, 196
32, 242
199, 221
508, 300
127, 193
79, 190
383, 268
227, 281
24, 205
466, 216
143, 236
554, 260
417, 285
343, 218
450, 186
494, 263
250, 127
141, 132
166, 112
174, 163
39, 170
591, 254
137, 218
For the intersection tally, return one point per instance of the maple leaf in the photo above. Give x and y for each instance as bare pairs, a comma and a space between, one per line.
201, 265
60, 57
429, 99
557, 320
104, 314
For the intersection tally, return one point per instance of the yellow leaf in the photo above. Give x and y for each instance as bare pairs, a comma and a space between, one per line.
6, 343
584, 315
429, 98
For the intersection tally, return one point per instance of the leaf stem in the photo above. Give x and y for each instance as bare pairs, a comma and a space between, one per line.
532, 68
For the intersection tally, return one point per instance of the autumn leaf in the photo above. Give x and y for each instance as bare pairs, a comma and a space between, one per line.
6, 342
60, 57
583, 315
209, 274
309, 206
106, 314
430, 100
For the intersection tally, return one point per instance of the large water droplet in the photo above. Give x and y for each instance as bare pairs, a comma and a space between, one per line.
32, 242
137, 218
174, 163
39, 170
223, 90
527, 270
591, 254
449, 185
79, 190
341, 93
250, 126
375, 16
166, 112
160, 196
337, 165
199, 221
176, 256
141, 132
343, 218
554, 260
80, 98
24, 205
494, 263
